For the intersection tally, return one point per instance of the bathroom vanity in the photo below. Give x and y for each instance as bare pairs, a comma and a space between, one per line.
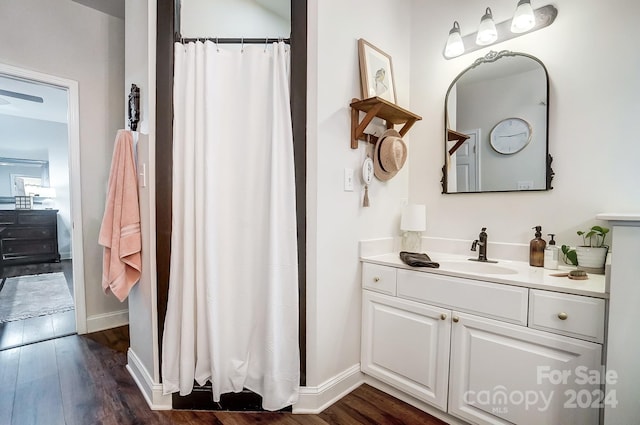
486, 343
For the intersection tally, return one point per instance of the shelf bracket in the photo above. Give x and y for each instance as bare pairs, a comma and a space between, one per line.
357, 130
454, 135
407, 126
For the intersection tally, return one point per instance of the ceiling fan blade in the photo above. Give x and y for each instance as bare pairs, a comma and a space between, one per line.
21, 96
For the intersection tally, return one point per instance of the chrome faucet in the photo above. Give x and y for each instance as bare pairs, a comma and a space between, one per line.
482, 252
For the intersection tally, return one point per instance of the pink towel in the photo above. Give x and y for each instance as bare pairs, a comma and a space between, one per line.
120, 230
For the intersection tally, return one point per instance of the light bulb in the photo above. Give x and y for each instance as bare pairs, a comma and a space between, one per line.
523, 19
487, 32
455, 46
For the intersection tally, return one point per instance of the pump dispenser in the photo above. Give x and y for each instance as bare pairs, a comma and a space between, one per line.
551, 254
536, 249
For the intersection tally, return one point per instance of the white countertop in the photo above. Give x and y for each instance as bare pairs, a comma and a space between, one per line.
619, 216
525, 276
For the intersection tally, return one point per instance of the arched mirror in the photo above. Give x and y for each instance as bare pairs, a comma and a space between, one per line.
496, 126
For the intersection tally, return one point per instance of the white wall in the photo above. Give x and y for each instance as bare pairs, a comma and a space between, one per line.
68, 40
593, 117
27, 138
336, 219
140, 53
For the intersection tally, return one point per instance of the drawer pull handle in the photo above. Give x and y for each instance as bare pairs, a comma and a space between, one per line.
455, 319
443, 316
376, 279
563, 316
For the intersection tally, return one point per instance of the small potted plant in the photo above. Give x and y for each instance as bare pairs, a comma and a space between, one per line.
592, 254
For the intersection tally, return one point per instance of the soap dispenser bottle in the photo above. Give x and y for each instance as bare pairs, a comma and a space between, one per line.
536, 249
551, 254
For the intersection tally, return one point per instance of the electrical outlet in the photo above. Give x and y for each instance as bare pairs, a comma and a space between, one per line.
525, 185
348, 179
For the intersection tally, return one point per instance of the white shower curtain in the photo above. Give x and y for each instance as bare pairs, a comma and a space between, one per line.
232, 315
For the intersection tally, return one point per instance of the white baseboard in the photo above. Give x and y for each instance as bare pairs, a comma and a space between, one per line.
315, 399
433, 411
151, 391
100, 322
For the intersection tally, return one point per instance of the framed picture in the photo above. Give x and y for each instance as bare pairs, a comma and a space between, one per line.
376, 72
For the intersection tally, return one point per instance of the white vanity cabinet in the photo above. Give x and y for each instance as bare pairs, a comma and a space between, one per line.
507, 374
406, 345
468, 347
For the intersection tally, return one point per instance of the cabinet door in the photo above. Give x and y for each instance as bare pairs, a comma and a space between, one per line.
502, 374
406, 345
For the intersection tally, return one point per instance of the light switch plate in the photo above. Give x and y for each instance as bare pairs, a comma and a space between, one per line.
142, 175
348, 179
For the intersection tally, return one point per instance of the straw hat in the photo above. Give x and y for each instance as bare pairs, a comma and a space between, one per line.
389, 155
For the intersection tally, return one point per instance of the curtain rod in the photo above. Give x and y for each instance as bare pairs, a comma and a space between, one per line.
220, 40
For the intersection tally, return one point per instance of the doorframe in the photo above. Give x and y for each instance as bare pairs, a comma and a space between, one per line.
73, 143
477, 132
168, 27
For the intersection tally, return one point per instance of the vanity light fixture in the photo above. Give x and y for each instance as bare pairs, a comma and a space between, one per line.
522, 23
487, 33
455, 46
524, 18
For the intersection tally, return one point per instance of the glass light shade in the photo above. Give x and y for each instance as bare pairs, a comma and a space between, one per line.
487, 32
455, 46
414, 218
523, 19
412, 223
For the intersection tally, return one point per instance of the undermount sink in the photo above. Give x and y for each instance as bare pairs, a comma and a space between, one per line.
476, 267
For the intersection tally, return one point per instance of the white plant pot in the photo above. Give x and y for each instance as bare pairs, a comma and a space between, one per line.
592, 259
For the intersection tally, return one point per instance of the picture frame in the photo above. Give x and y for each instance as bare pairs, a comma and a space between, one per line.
376, 72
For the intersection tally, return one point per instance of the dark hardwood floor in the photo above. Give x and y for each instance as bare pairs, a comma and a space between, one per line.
27, 331
82, 380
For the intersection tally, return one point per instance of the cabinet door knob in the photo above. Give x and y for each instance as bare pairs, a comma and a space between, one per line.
455, 319
443, 316
563, 316
376, 279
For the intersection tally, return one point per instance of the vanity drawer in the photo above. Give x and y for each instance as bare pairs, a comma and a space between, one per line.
8, 217
566, 314
38, 217
493, 300
379, 278
17, 232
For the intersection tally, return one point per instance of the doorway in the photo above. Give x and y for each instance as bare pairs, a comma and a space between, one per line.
468, 163
42, 295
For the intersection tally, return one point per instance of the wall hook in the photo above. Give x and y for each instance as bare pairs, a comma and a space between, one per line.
134, 107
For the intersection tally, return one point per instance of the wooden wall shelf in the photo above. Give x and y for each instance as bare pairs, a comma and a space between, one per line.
381, 108
454, 135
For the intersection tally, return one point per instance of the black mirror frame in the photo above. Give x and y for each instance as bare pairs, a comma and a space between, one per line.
493, 56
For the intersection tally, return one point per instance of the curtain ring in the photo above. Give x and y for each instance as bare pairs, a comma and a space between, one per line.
242, 45
217, 47
266, 42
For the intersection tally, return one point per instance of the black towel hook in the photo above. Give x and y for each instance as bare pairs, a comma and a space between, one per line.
134, 107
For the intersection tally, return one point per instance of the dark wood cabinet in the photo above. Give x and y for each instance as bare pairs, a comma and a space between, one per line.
28, 237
